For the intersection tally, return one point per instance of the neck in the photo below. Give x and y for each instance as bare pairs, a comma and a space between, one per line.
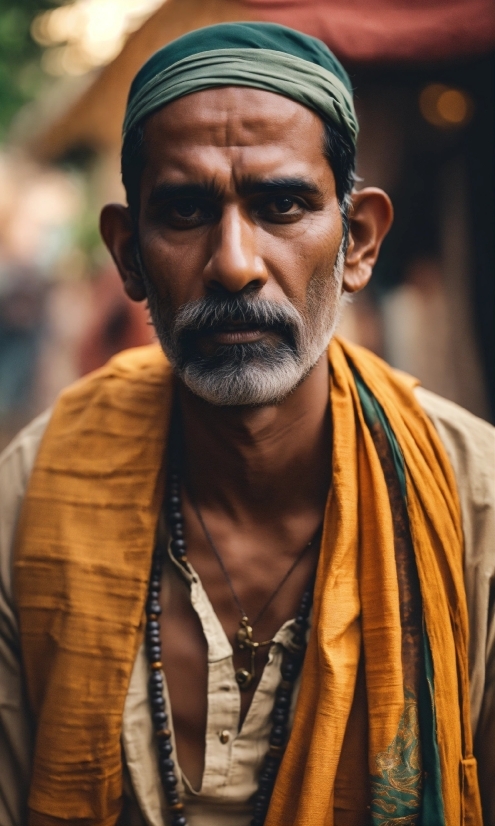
269, 460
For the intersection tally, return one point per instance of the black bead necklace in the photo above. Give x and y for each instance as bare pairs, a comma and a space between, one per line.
292, 659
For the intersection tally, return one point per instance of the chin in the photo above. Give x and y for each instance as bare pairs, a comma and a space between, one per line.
247, 386
255, 374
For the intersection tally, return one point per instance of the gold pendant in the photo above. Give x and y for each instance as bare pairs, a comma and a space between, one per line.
243, 678
244, 638
244, 635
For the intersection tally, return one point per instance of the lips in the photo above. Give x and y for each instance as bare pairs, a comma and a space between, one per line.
236, 332
220, 329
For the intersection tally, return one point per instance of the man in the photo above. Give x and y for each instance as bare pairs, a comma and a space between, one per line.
285, 641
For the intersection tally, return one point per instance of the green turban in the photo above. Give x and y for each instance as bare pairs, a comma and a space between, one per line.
259, 55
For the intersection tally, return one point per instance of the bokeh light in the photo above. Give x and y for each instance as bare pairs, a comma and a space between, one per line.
87, 33
445, 107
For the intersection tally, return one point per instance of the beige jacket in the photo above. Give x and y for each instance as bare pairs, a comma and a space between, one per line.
232, 757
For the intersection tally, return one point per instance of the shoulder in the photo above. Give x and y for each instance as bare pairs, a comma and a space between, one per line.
20, 454
16, 733
16, 464
454, 417
470, 445
468, 441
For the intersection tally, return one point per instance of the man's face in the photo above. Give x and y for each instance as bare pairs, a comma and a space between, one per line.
239, 238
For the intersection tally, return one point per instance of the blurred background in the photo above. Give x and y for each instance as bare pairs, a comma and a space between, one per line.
423, 75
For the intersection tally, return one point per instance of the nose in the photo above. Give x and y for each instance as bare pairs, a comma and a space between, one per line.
234, 263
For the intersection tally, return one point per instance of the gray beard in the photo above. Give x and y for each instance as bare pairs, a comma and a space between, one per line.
256, 373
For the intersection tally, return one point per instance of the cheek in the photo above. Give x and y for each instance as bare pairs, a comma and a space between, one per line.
176, 266
293, 256
306, 257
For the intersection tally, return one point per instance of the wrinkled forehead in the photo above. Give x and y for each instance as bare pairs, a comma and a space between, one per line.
241, 129
230, 116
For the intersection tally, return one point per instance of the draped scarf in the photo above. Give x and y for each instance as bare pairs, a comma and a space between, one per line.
389, 601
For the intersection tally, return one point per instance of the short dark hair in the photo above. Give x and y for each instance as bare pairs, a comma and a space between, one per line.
340, 153
337, 148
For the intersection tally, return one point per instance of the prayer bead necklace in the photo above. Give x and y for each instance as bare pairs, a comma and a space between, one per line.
292, 660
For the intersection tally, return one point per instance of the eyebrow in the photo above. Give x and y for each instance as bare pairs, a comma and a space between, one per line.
210, 190
256, 186
167, 192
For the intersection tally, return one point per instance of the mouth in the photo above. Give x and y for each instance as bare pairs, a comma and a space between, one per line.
236, 332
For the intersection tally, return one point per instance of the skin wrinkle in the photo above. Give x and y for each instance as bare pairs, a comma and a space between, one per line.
336, 149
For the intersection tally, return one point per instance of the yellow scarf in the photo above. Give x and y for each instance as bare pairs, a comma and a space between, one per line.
83, 554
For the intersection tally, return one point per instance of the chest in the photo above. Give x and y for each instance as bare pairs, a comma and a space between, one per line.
226, 608
212, 718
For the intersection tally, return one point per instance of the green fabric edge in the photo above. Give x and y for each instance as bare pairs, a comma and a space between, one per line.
285, 74
245, 34
432, 811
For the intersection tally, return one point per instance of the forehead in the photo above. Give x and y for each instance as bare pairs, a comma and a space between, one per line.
234, 126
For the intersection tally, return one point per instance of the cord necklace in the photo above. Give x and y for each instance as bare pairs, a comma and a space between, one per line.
244, 634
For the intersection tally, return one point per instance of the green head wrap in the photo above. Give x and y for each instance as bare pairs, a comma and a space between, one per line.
259, 55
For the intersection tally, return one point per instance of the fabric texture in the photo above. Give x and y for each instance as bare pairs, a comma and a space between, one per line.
348, 614
258, 55
83, 554
470, 445
408, 781
96, 569
16, 730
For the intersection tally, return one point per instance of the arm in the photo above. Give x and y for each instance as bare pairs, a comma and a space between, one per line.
470, 445
16, 730
485, 735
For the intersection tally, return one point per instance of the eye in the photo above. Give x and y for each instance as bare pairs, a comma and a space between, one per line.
185, 209
283, 209
284, 204
188, 213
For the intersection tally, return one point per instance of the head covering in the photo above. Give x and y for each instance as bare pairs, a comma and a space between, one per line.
258, 55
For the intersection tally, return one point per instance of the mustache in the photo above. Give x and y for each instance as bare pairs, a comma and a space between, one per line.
213, 313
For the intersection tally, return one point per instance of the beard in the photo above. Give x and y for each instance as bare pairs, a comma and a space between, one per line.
257, 373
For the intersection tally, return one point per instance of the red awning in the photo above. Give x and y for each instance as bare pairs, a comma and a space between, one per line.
365, 31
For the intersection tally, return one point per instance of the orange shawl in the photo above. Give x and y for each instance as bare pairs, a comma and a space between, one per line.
84, 547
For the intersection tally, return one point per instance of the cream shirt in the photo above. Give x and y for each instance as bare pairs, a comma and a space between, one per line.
232, 757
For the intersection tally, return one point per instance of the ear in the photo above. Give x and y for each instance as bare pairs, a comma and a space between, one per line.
370, 218
117, 231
